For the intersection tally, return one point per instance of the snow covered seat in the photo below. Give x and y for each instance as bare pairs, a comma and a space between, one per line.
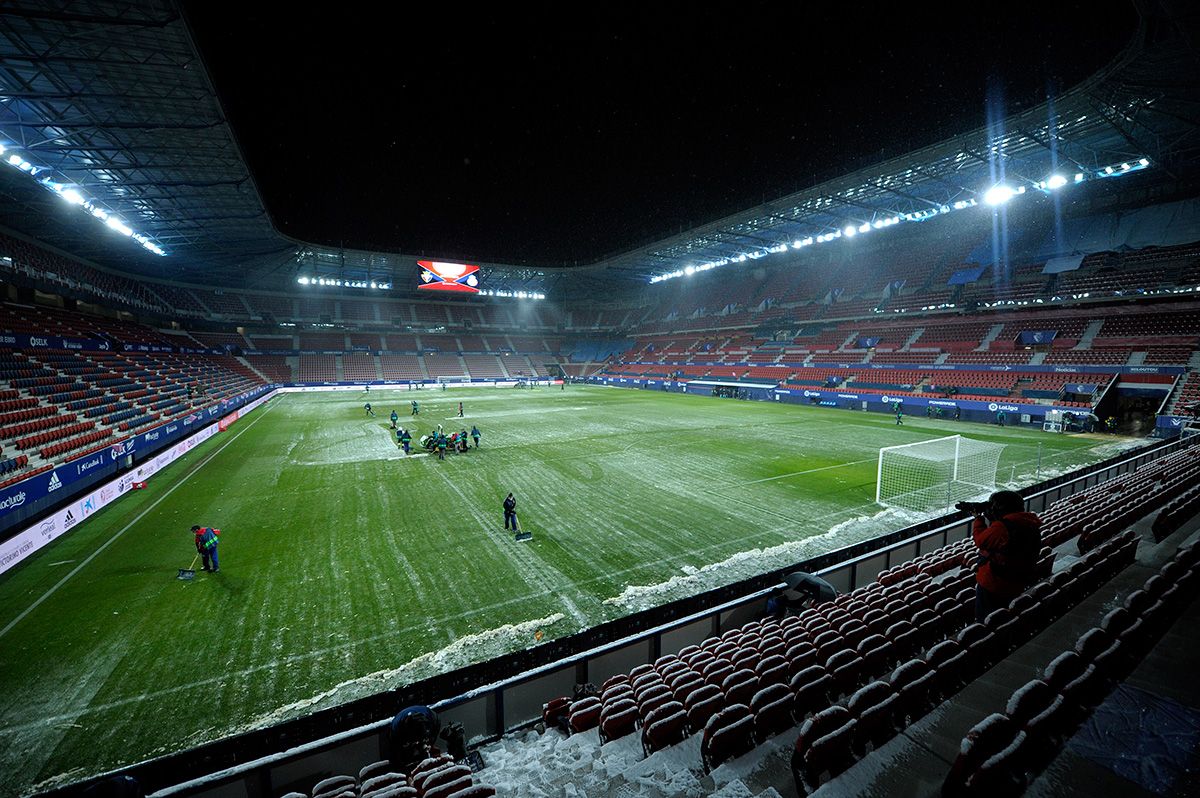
728, 734
994, 734
874, 707
585, 714
825, 746
845, 667
773, 670
746, 658
1041, 713
948, 660
915, 684
906, 640
682, 687
648, 692
1080, 683
395, 791
664, 726
448, 788
613, 681
555, 711
875, 653
1094, 641
740, 686
645, 708
374, 769
772, 708
381, 782
647, 679
976, 640
716, 672
800, 655
439, 771
669, 669
618, 720
334, 785
702, 704
812, 687
773, 647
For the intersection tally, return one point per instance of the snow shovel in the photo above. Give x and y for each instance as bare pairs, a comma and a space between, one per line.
190, 571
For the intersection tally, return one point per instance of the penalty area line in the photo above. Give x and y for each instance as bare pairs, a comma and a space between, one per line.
128, 526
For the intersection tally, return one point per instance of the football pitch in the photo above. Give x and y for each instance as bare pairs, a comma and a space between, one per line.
347, 568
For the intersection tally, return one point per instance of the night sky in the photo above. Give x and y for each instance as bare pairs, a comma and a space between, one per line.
567, 133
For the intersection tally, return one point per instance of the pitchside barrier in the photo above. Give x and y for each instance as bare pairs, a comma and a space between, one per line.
505, 694
43, 492
19, 547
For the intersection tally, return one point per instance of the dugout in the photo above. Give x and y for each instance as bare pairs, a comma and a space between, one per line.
757, 391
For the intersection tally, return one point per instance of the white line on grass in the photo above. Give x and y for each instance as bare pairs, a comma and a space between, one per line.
126, 528
799, 473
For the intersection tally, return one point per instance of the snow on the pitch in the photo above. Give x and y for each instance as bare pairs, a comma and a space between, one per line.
463, 651
755, 561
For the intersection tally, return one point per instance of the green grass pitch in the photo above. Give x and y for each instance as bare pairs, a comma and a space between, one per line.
341, 560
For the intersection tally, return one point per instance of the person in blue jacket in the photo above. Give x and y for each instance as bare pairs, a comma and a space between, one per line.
206, 546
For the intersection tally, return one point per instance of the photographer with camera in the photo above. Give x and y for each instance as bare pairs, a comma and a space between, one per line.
1009, 540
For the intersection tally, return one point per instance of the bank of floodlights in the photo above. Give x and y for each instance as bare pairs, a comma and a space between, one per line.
72, 195
993, 196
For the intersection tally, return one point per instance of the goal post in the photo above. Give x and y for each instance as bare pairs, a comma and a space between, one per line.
452, 380
935, 474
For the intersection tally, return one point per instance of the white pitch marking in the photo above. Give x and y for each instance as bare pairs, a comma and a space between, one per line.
800, 473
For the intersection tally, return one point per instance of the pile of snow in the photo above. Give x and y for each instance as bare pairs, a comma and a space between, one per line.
462, 652
549, 765
746, 564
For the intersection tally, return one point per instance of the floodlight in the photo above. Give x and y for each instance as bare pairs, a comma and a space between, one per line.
72, 196
850, 231
689, 271
1056, 181
864, 227
1143, 161
998, 194
1108, 170
1079, 177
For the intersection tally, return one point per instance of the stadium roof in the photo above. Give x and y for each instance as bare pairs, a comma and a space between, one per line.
1139, 112
107, 105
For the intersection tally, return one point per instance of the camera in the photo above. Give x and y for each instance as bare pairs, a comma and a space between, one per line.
974, 508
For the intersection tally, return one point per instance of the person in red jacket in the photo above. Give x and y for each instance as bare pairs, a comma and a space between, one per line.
1009, 542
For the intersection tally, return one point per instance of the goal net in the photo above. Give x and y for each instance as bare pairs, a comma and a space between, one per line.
452, 380
934, 475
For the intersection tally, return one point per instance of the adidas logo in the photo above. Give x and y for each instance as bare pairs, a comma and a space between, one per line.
69, 520
55, 483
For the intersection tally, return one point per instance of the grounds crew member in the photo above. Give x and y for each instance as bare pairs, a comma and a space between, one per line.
367, 407
441, 446
395, 418
510, 512
405, 438
206, 546
1009, 542
416, 410
475, 435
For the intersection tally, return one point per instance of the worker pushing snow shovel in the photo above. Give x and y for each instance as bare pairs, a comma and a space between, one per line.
206, 550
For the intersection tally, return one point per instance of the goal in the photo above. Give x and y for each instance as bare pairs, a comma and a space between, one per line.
934, 475
453, 380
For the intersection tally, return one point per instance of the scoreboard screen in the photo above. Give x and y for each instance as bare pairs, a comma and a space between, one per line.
439, 276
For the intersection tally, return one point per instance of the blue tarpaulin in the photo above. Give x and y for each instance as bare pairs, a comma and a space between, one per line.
1067, 263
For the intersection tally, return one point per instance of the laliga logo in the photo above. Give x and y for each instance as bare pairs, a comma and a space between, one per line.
811, 393
993, 407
